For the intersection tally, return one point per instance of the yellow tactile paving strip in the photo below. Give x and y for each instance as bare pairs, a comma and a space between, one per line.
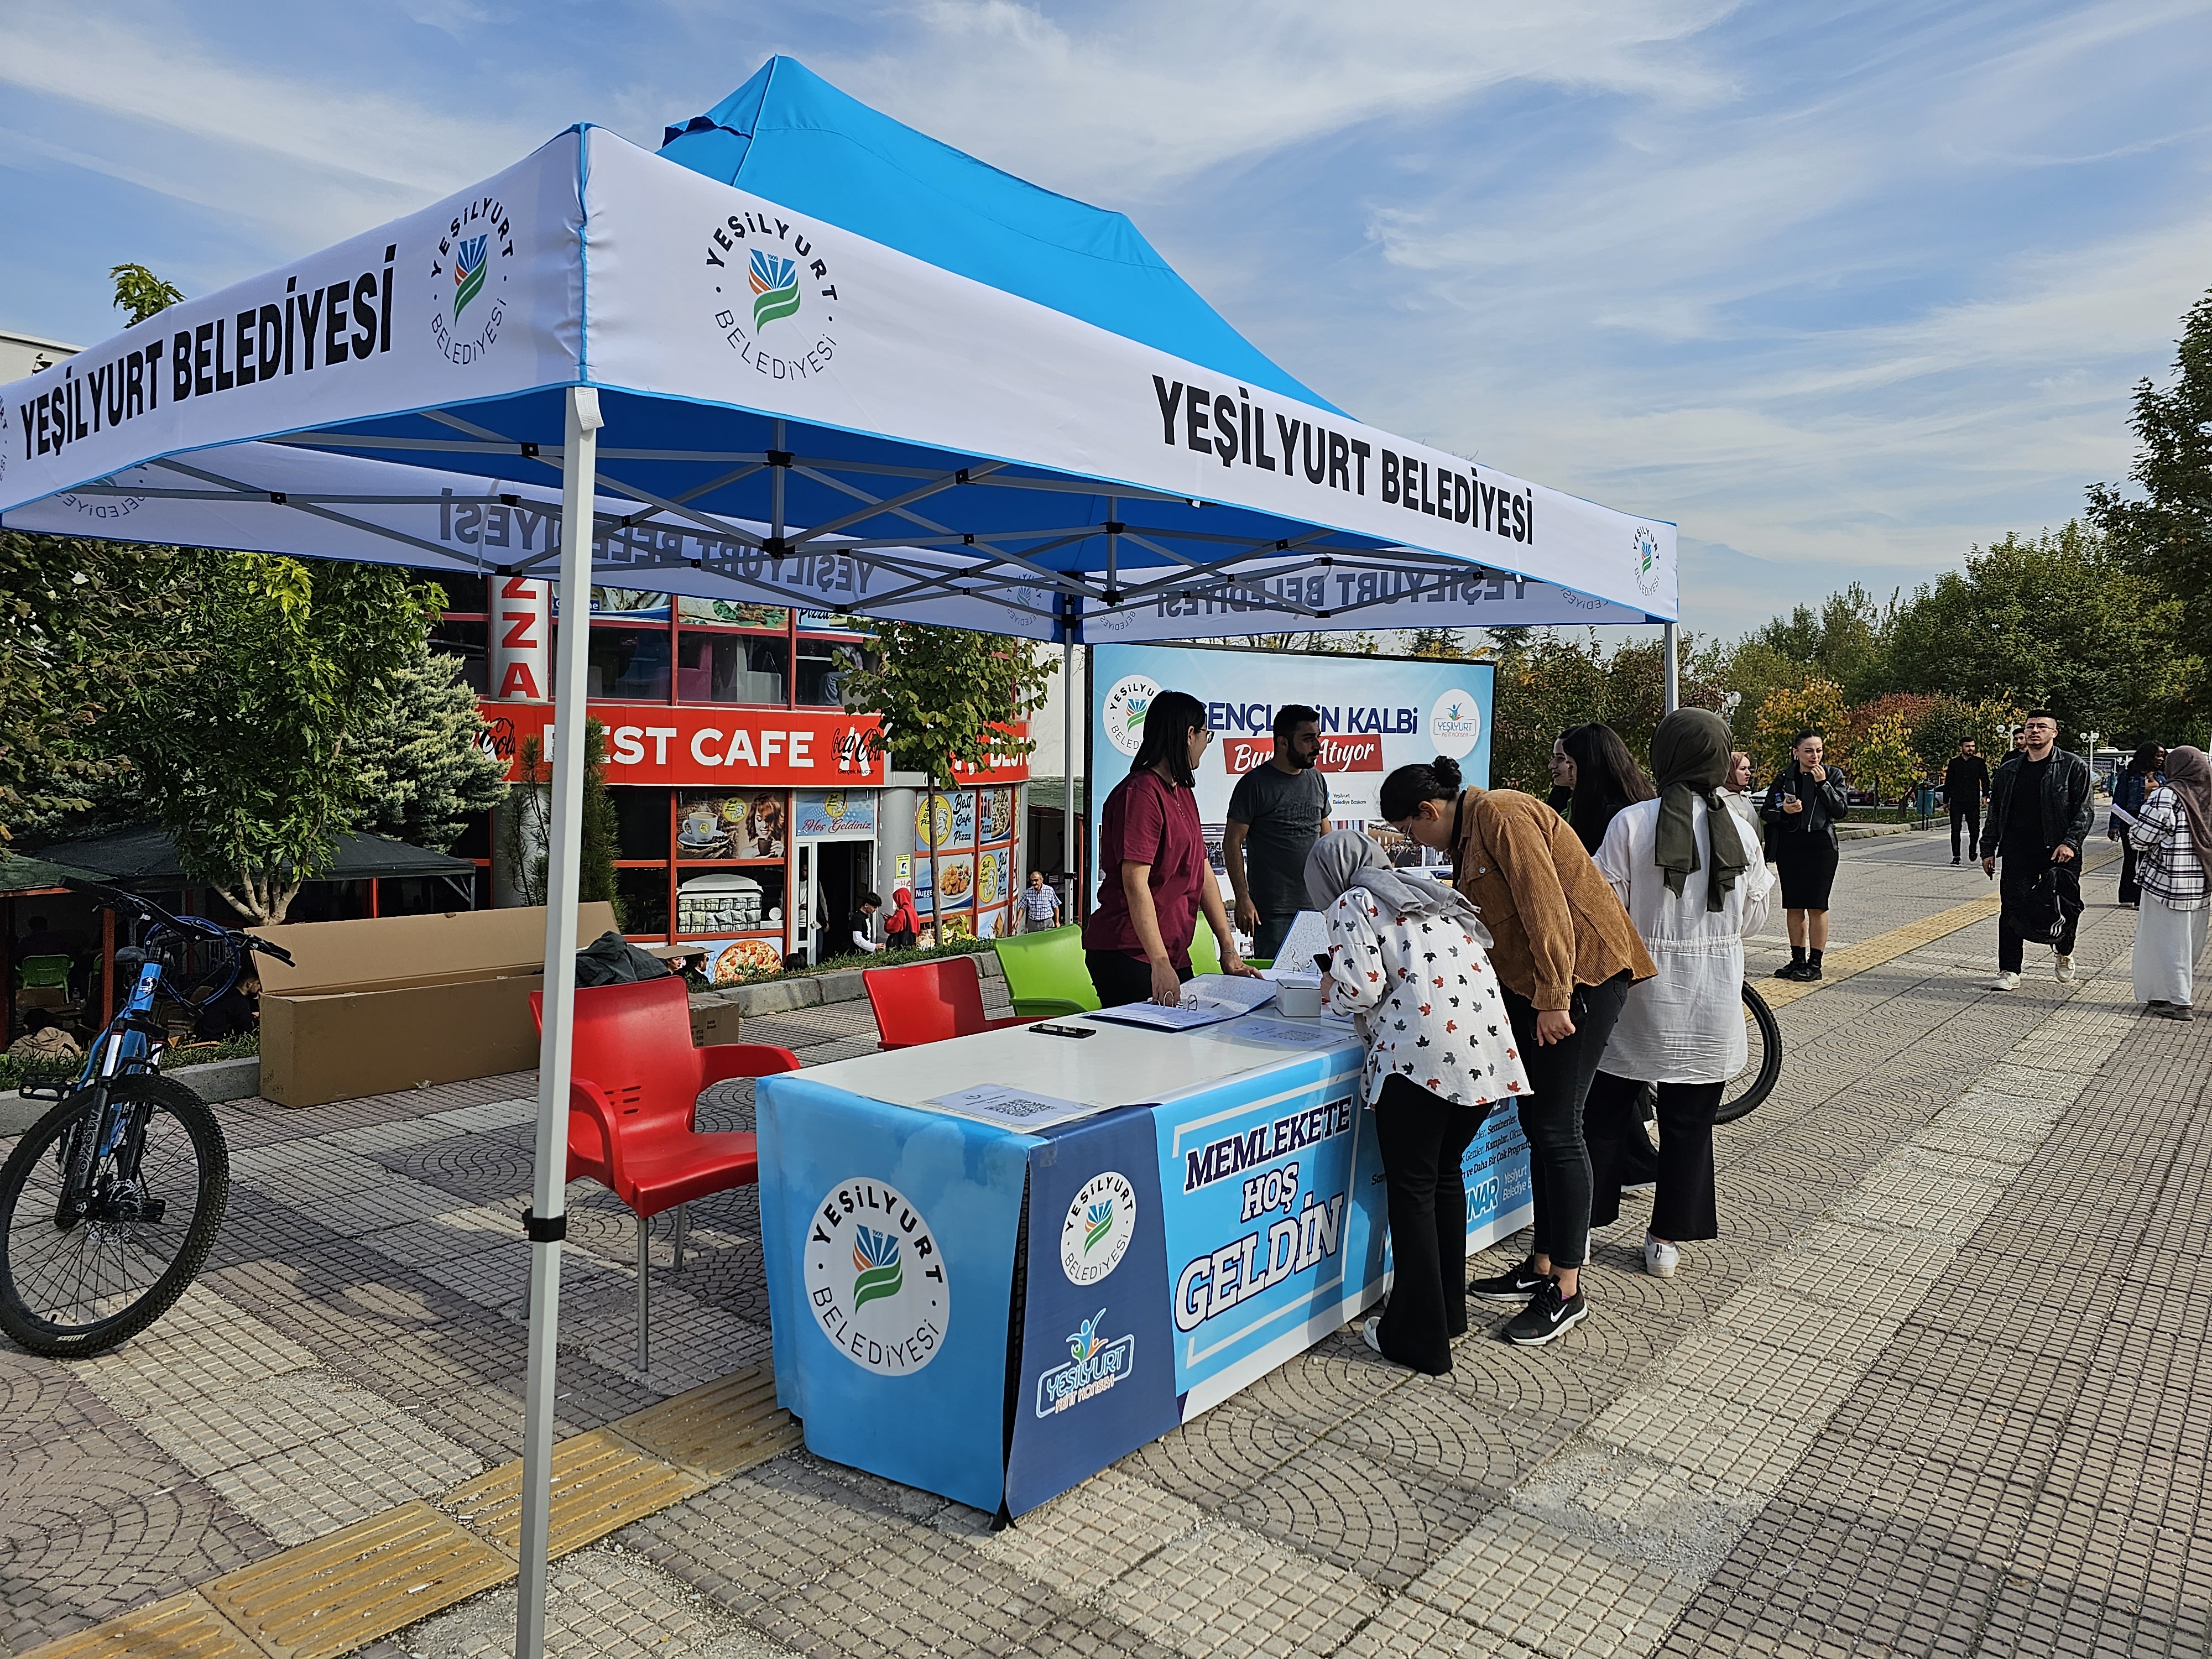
1846, 960
346, 1590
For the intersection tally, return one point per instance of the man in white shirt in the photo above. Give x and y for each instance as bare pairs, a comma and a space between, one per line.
1039, 905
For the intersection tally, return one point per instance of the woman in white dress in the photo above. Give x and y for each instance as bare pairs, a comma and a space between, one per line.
1688, 865
1408, 960
2172, 839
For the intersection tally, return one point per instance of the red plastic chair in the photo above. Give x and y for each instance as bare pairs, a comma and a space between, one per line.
929, 1001
633, 1100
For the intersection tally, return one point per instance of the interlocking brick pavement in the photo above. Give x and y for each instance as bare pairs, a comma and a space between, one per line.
1935, 1389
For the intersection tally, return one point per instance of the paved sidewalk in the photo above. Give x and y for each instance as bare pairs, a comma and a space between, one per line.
1921, 1397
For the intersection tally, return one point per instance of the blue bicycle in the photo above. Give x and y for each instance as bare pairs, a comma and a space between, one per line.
110, 1203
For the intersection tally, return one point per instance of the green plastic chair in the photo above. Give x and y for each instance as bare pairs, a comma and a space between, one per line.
1046, 975
1204, 951
46, 973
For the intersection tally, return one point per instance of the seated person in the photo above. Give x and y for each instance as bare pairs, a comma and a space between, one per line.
233, 1014
43, 1038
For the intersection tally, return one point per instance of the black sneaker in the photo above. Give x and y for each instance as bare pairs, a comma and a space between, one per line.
1511, 1285
1790, 970
1810, 972
1548, 1314
1954, 862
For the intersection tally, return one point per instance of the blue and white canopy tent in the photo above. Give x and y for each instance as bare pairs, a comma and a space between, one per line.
803, 356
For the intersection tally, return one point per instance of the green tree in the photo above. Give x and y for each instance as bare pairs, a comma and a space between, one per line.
1547, 683
2165, 536
139, 294
946, 698
89, 628
2058, 620
250, 760
1816, 706
1441, 643
423, 768
1883, 757
526, 826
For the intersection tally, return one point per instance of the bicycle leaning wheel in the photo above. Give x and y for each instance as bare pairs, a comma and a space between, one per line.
1762, 1067
72, 1283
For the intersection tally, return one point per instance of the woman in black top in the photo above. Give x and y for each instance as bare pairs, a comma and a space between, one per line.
1802, 806
1606, 779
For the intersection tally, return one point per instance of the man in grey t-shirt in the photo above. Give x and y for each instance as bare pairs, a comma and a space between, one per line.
1278, 810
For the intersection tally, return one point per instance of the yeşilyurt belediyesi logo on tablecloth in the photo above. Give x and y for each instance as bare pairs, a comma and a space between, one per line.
775, 293
1101, 1221
468, 281
1126, 706
875, 1279
1456, 723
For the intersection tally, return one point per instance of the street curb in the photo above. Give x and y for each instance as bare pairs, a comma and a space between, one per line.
778, 996
1867, 831
217, 1081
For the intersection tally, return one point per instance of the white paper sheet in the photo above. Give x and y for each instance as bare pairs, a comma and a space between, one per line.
1016, 1109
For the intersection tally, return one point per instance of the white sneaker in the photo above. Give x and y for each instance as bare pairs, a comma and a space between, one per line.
1661, 1258
2005, 982
2066, 969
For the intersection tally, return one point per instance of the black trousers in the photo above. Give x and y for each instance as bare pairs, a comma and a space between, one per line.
2011, 943
1422, 1139
2131, 888
1552, 1114
1970, 814
1118, 977
1685, 1204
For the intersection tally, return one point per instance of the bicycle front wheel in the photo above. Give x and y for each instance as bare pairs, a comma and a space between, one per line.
1762, 1066
77, 1279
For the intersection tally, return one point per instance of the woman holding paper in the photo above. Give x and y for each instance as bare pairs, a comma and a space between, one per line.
1408, 960
2171, 838
1154, 875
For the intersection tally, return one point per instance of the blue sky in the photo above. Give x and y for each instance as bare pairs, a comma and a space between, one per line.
1843, 290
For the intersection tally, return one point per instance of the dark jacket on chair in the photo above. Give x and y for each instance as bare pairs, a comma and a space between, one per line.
1826, 806
2067, 812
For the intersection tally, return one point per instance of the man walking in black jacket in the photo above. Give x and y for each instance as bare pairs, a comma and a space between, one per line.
2040, 813
1965, 787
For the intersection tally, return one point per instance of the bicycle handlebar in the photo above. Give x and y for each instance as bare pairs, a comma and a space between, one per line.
116, 898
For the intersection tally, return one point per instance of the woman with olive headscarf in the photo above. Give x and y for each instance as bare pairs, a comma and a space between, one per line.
1408, 960
1688, 865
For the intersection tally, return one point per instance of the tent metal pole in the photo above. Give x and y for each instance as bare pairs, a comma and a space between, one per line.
1067, 771
548, 1208
1673, 670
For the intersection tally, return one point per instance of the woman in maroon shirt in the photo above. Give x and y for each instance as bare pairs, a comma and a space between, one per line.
1153, 874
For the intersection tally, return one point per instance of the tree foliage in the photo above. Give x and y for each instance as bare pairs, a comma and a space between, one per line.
139, 294
423, 769
1817, 705
526, 826
251, 760
1547, 682
89, 627
2164, 535
947, 697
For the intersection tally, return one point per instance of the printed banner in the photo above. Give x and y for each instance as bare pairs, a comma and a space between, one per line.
837, 814
1377, 714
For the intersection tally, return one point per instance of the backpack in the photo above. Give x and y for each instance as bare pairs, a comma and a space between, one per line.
2047, 906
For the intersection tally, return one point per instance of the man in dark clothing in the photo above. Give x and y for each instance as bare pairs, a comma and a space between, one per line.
1965, 785
2040, 813
1278, 811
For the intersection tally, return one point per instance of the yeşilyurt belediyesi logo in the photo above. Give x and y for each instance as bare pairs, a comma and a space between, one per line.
1126, 706
1644, 547
1102, 1220
775, 287
469, 271
875, 1280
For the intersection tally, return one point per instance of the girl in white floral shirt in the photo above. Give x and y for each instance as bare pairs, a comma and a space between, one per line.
1407, 961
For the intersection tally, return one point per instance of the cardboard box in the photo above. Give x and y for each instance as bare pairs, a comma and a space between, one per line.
373, 1006
712, 1022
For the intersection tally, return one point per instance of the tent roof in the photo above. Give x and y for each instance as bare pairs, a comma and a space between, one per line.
796, 413
794, 138
21, 874
143, 858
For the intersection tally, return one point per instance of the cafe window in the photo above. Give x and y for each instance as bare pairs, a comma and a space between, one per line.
644, 895
641, 824
629, 665
744, 668
464, 593
823, 668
